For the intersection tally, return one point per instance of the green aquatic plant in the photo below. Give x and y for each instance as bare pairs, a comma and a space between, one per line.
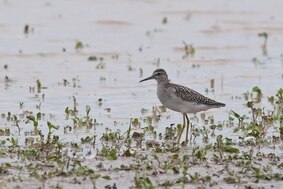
51, 129
239, 118
79, 45
35, 121
143, 182
135, 122
111, 144
110, 152
72, 112
16, 121
201, 153
84, 121
279, 96
14, 143
143, 150
225, 145
171, 132
212, 83
38, 86
256, 129
258, 94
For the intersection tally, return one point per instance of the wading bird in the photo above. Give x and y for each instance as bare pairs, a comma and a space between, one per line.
180, 98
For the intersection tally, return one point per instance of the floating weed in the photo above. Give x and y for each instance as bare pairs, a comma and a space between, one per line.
213, 128
161, 109
144, 111
281, 131
204, 132
34, 120
141, 72
101, 64
212, 83
141, 48
28, 29
72, 112
51, 129
143, 182
79, 45
4, 168
263, 122
38, 86
111, 144
100, 102
92, 58
65, 82
279, 96
130, 68
16, 121
224, 145
231, 180
201, 153
21, 105
171, 132
85, 121
194, 66
83, 171
136, 123
258, 94
164, 20
239, 118
157, 62
257, 62
14, 143
7, 79
5, 132
109, 152
189, 50
264, 35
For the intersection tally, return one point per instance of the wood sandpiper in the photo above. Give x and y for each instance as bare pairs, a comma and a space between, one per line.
180, 98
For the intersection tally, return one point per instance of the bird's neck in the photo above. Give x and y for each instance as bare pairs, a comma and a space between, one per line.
163, 82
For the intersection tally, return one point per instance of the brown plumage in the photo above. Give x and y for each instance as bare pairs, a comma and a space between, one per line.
190, 95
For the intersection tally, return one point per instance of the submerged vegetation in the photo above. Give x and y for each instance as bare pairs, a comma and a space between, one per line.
44, 155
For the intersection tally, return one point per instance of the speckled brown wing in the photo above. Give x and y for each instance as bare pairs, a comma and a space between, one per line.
190, 95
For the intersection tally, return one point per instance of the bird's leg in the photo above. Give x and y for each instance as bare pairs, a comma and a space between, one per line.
192, 130
184, 125
188, 129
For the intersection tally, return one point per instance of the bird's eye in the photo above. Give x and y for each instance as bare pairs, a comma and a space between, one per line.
158, 74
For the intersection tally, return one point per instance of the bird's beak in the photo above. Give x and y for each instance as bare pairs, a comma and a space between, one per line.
148, 78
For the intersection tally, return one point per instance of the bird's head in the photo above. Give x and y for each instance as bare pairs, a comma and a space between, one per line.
159, 75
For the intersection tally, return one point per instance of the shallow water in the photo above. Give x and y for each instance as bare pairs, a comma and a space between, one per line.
131, 36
